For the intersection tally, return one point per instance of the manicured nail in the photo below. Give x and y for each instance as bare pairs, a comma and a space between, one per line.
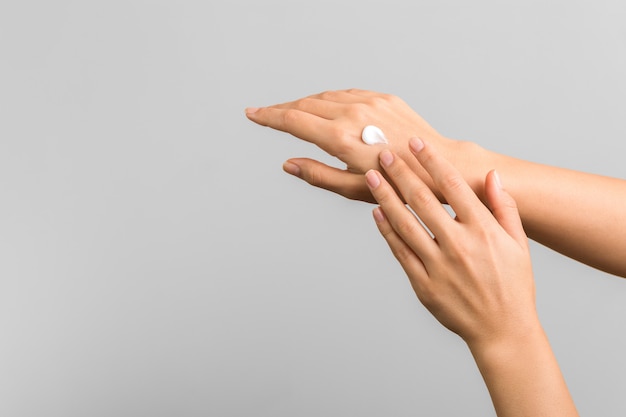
386, 158
496, 176
416, 144
291, 168
251, 110
371, 177
379, 216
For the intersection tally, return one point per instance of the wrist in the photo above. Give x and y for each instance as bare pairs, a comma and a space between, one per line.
523, 376
504, 348
474, 162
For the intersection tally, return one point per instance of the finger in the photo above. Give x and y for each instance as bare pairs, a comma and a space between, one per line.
342, 182
449, 182
417, 194
301, 124
365, 93
504, 208
411, 263
339, 96
406, 225
323, 108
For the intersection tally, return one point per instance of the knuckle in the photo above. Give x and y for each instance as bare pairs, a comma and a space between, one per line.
451, 181
401, 252
420, 197
357, 112
314, 177
408, 226
376, 102
343, 140
290, 117
384, 100
509, 202
393, 99
327, 95
382, 197
303, 103
338, 133
345, 149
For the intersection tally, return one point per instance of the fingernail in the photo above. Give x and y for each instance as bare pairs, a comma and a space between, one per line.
379, 216
386, 158
372, 179
416, 144
251, 110
496, 176
291, 168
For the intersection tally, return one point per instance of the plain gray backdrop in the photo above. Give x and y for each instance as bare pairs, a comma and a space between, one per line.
156, 261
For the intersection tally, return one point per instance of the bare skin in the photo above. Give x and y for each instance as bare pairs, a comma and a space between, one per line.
475, 277
554, 203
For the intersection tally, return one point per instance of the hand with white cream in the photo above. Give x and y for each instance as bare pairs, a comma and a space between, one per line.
475, 276
335, 121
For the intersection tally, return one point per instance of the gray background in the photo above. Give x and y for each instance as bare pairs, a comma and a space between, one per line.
156, 261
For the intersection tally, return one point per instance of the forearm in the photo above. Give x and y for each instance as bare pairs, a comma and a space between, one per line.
574, 213
523, 377
577, 214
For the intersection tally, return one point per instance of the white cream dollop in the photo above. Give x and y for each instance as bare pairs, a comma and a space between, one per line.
372, 135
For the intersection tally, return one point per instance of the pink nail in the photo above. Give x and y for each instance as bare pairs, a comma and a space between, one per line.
251, 110
416, 144
386, 158
379, 216
496, 176
291, 168
371, 177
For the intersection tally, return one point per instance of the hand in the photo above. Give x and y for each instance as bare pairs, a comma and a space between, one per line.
475, 276
334, 121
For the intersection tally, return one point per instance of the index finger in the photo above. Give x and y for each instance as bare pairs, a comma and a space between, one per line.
301, 124
449, 181
325, 109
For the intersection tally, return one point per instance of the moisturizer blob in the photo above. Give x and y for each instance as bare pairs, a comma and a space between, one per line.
372, 135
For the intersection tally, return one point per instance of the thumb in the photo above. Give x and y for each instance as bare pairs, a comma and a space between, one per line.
504, 207
318, 174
